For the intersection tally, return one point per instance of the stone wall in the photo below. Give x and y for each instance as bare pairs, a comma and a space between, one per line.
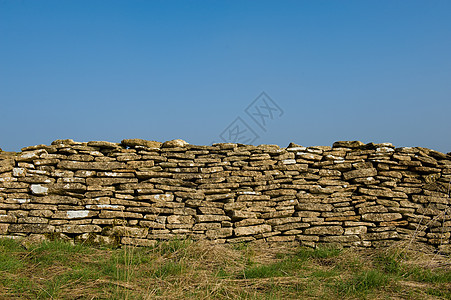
138, 192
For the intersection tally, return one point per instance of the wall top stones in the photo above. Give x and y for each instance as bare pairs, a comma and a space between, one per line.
139, 191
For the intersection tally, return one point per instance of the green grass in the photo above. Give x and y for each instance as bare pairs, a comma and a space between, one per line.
182, 269
168, 268
362, 283
428, 276
286, 267
320, 252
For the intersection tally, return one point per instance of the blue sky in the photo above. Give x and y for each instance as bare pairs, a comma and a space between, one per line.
375, 71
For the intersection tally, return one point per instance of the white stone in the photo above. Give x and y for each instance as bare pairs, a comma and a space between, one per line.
163, 197
22, 201
297, 149
102, 206
38, 189
18, 172
72, 214
247, 193
28, 155
7, 179
289, 161
111, 174
385, 149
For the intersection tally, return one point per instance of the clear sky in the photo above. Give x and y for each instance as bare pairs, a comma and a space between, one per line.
375, 71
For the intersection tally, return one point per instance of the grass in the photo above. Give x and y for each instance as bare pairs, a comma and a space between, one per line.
181, 269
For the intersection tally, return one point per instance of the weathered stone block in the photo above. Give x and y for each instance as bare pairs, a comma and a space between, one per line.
324, 230
360, 173
78, 228
211, 218
95, 165
381, 217
252, 230
219, 233
355, 230
31, 228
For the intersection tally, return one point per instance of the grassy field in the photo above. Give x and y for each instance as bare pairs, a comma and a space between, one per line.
182, 269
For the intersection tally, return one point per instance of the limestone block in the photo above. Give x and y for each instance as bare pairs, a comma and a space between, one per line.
381, 217
211, 211
372, 209
348, 144
134, 232
291, 226
219, 233
211, 218
103, 144
31, 228
360, 173
280, 221
324, 230
178, 143
38, 189
4, 228
206, 226
95, 165
281, 238
106, 214
355, 230
78, 228
138, 242
384, 235
382, 193
314, 207
29, 156
252, 230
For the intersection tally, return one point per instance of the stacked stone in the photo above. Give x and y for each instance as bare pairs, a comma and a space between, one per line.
138, 192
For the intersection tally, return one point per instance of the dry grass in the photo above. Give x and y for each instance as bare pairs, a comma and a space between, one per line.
183, 269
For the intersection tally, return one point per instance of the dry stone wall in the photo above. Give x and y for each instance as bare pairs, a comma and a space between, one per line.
138, 192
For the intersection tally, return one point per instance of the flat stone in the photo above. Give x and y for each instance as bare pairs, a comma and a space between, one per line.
348, 144
174, 144
360, 173
138, 242
31, 228
103, 144
252, 230
382, 193
77, 214
324, 230
140, 142
381, 217
64, 142
355, 230
37, 189
78, 228
211, 218
95, 165
219, 233
29, 156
